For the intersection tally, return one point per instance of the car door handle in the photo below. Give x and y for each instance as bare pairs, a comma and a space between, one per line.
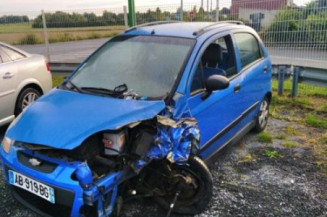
8, 75
265, 69
237, 88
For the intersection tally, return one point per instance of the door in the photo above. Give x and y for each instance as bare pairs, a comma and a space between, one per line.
8, 82
218, 114
254, 68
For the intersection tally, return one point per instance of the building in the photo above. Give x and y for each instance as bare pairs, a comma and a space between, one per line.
259, 13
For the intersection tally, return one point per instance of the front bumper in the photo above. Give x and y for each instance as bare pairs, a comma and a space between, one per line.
71, 198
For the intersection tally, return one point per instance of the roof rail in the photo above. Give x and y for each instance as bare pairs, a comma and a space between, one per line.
151, 24
202, 30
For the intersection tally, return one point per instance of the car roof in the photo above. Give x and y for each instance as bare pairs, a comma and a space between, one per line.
180, 29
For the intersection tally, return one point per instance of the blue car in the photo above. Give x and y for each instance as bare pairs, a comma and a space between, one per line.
143, 116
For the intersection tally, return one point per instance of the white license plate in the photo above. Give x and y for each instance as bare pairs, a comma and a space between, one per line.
32, 186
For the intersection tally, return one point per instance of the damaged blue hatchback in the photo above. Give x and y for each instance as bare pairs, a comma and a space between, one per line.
141, 117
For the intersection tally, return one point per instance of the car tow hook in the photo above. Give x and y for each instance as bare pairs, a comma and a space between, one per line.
171, 207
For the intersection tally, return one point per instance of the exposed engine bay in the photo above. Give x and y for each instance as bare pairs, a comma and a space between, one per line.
150, 158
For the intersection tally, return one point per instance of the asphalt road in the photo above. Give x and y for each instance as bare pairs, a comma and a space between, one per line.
76, 51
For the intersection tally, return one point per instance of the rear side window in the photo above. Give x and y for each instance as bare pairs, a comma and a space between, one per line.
248, 48
14, 55
3, 56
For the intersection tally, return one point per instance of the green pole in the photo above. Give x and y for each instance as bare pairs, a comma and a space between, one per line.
131, 13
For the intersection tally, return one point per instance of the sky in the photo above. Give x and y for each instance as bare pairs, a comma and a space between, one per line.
32, 6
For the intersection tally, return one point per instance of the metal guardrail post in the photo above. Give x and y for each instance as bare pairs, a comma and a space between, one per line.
125, 17
281, 78
46, 38
217, 11
182, 13
295, 80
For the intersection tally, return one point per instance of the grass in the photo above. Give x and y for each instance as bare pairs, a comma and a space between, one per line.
281, 136
303, 89
30, 39
247, 158
272, 153
17, 33
265, 137
57, 79
290, 144
324, 138
313, 121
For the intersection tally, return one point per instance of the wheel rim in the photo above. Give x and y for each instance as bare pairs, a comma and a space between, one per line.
191, 192
263, 117
29, 99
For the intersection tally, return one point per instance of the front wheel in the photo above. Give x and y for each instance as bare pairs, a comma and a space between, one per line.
194, 181
262, 118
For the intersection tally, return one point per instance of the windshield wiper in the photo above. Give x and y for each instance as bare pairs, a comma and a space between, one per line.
117, 91
73, 86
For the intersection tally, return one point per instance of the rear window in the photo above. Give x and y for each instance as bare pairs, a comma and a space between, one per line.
248, 47
14, 55
3, 56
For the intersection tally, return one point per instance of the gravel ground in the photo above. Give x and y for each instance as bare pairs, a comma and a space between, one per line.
247, 181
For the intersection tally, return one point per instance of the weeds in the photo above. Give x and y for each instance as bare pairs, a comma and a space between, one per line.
30, 39
281, 136
57, 79
63, 37
290, 144
291, 131
324, 139
313, 121
265, 137
272, 153
247, 158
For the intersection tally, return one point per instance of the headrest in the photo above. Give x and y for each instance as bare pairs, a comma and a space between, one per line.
212, 55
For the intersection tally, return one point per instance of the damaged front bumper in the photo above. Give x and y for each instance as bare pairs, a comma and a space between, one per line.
75, 192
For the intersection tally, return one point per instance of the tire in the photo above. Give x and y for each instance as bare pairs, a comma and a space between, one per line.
262, 118
199, 201
26, 97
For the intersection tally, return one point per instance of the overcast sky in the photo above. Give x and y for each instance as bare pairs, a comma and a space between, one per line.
29, 6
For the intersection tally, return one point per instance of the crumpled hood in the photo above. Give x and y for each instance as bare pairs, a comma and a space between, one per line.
64, 119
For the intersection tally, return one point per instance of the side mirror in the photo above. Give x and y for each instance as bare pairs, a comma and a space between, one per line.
215, 82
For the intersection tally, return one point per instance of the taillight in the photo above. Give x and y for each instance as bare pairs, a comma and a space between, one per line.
47, 65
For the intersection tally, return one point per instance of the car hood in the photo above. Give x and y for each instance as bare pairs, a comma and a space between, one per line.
64, 119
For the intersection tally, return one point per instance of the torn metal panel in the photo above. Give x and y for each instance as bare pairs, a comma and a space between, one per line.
175, 139
64, 119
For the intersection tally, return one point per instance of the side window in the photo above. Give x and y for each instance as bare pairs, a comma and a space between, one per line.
14, 55
248, 48
217, 59
198, 81
4, 57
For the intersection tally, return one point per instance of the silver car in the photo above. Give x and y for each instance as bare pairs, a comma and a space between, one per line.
23, 78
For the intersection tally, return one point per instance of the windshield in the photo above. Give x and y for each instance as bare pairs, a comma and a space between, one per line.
146, 65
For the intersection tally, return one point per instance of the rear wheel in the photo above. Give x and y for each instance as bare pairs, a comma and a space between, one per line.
25, 98
193, 181
262, 118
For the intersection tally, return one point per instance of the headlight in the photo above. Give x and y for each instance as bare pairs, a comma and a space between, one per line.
6, 144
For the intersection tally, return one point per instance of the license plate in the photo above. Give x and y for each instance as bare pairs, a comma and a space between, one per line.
32, 186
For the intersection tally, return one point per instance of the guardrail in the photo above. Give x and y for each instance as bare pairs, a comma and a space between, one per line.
62, 68
307, 75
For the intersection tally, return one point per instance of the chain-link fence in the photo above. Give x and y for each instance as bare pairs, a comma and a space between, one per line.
295, 32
